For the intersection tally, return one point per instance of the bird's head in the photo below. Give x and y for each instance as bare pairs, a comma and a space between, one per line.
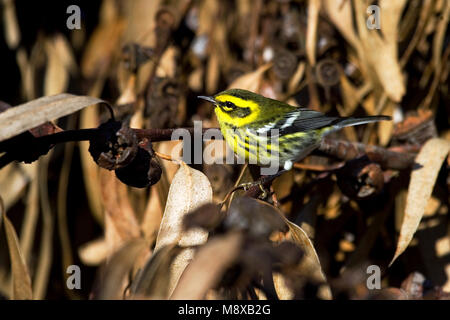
236, 106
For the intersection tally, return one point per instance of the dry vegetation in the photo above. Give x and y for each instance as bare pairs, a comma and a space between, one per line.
371, 195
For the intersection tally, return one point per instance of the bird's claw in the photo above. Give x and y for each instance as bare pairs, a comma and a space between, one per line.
246, 186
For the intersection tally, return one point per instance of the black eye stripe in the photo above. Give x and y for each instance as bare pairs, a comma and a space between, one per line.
227, 104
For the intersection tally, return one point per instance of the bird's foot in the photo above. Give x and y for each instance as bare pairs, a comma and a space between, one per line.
259, 183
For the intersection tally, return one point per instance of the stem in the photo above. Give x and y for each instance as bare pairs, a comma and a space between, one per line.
343, 150
346, 150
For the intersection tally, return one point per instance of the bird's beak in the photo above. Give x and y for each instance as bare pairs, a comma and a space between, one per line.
210, 99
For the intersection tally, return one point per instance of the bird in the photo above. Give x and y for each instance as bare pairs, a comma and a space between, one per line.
265, 131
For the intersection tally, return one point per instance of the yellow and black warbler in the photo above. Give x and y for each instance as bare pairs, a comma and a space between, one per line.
264, 130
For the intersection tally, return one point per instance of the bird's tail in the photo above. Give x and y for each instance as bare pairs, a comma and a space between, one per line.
347, 122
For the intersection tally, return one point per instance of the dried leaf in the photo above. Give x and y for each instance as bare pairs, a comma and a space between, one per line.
340, 13
311, 32
385, 128
212, 72
111, 281
310, 264
101, 47
421, 185
44, 259
189, 190
11, 28
153, 280
251, 81
60, 63
120, 221
381, 53
21, 282
89, 119
281, 287
94, 252
296, 78
13, 181
28, 230
34, 113
56, 76
152, 216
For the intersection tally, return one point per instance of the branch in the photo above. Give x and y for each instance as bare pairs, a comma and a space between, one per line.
345, 150
340, 149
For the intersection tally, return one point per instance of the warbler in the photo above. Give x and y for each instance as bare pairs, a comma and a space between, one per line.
264, 130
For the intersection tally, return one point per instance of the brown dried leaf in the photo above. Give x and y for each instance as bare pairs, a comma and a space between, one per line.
152, 216
438, 40
340, 13
386, 128
13, 181
21, 282
311, 32
111, 281
103, 43
310, 264
120, 221
93, 252
34, 113
27, 233
60, 62
56, 75
11, 27
296, 78
381, 53
212, 72
421, 185
153, 279
89, 119
251, 81
190, 189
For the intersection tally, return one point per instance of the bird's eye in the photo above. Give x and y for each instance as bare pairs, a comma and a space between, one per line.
230, 105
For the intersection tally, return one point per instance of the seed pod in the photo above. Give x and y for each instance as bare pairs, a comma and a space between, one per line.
142, 172
328, 72
360, 178
285, 64
115, 146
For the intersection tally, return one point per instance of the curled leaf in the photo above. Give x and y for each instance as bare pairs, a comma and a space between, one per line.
251, 81
34, 113
421, 185
190, 189
310, 264
21, 282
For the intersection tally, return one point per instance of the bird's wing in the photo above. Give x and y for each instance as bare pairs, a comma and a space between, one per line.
304, 119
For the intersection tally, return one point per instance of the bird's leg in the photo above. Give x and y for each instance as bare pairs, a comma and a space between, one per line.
263, 183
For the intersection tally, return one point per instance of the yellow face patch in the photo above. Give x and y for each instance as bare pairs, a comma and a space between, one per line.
222, 115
